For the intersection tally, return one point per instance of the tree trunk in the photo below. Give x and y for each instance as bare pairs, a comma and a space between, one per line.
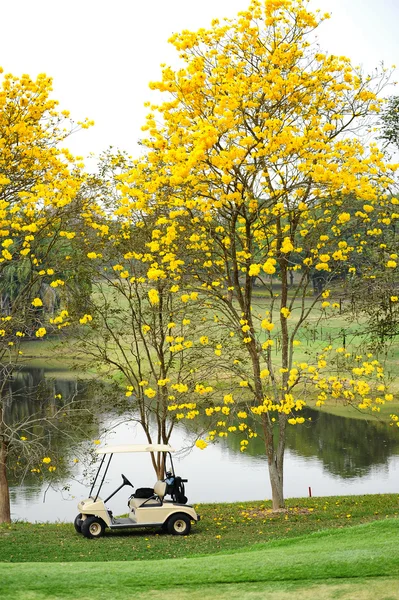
160, 470
5, 513
275, 459
276, 482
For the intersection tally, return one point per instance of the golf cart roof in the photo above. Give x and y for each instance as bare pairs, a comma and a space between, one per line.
135, 448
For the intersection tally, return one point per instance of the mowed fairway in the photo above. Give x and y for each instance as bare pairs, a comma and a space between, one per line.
360, 562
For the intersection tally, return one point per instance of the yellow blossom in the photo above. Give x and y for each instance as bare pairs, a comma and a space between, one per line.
254, 270
85, 319
153, 296
150, 393
269, 267
201, 444
267, 325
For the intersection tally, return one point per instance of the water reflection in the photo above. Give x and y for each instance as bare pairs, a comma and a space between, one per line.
333, 455
346, 447
41, 409
30, 392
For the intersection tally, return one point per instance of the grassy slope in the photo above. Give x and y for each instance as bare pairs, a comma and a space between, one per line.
223, 528
369, 550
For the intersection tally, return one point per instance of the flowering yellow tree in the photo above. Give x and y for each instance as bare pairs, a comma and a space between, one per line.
256, 164
39, 185
138, 325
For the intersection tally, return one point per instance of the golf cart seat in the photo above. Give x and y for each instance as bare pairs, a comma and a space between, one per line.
140, 496
160, 489
157, 496
143, 493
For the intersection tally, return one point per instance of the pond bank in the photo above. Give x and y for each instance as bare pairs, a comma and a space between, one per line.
41, 354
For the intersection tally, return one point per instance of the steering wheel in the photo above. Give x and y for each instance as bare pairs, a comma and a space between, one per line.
126, 481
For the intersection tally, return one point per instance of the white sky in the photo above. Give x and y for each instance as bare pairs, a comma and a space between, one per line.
103, 54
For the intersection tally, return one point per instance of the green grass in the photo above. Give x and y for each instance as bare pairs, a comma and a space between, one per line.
335, 407
223, 528
56, 355
306, 567
381, 588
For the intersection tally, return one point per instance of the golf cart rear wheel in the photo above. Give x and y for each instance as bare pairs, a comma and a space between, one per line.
179, 524
93, 527
78, 523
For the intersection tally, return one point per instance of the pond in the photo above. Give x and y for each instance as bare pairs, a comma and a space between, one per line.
331, 455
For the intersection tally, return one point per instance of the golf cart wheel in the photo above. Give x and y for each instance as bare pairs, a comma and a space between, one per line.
93, 527
78, 523
179, 524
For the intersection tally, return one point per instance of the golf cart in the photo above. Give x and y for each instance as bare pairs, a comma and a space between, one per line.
147, 507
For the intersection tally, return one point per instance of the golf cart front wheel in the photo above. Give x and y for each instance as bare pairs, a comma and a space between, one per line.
78, 523
179, 524
93, 527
